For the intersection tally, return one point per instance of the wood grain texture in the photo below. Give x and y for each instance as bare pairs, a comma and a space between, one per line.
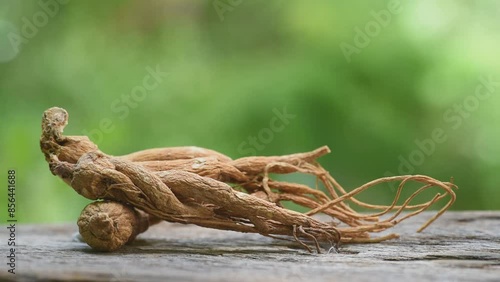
460, 246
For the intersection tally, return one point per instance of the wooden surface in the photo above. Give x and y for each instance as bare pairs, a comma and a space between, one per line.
460, 246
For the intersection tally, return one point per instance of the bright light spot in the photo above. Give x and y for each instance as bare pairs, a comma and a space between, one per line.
486, 145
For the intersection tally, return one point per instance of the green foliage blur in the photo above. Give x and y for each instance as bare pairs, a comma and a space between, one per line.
392, 88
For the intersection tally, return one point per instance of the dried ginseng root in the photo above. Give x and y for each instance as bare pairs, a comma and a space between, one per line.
190, 185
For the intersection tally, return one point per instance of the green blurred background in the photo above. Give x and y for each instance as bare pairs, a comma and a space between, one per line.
371, 79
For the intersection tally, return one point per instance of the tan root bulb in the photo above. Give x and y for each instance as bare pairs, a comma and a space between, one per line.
108, 225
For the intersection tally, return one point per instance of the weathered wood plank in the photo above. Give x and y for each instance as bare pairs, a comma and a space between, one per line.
460, 246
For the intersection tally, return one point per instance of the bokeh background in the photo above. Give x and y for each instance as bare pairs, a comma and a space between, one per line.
370, 79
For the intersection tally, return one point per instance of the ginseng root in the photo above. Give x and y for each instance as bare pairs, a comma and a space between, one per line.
204, 187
